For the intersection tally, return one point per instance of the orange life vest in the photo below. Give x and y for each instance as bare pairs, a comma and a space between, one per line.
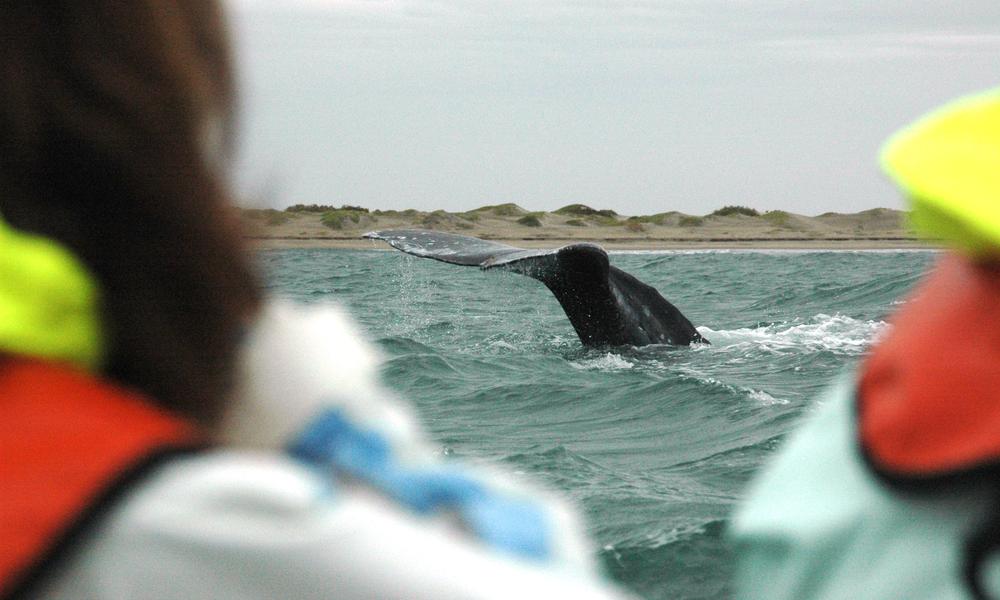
69, 445
929, 397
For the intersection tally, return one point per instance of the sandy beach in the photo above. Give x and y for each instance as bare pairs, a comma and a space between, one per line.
342, 228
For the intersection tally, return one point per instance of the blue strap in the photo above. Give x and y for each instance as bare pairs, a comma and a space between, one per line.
510, 524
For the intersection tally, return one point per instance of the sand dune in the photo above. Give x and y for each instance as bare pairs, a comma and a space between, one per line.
875, 228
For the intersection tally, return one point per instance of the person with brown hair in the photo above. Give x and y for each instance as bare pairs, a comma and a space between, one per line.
116, 128
167, 432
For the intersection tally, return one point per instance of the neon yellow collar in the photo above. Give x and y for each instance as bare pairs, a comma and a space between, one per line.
49, 303
948, 162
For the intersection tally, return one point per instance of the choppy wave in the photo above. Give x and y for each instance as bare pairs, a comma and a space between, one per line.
680, 555
758, 396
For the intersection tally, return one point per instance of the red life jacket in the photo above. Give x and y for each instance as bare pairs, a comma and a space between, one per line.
69, 445
928, 403
929, 396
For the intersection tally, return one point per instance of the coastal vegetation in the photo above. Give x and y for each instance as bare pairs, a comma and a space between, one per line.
529, 221
727, 211
502, 210
322, 208
341, 218
582, 210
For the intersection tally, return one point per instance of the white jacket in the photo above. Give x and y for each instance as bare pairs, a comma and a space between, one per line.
250, 521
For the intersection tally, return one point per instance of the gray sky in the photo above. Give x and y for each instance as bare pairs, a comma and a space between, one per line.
638, 106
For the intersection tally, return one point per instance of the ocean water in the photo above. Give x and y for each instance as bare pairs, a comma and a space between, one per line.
656, 444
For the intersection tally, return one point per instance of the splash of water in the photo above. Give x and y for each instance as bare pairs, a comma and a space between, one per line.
833, 333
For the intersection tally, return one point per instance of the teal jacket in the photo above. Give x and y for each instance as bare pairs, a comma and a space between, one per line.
818, 523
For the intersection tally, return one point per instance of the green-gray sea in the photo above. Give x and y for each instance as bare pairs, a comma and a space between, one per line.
656, 444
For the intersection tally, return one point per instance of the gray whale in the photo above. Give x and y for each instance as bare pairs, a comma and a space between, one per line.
607, 306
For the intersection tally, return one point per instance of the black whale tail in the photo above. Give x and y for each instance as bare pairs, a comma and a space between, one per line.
605, 305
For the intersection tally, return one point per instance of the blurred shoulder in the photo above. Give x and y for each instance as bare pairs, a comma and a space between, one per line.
238, 524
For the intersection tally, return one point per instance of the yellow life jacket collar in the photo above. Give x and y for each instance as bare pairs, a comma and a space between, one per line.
49, 302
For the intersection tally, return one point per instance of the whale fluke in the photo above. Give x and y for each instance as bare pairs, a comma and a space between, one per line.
606, 306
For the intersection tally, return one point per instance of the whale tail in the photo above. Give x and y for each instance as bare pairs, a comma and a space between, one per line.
605, 305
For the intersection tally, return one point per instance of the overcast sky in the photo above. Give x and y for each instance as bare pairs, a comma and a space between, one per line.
638, 106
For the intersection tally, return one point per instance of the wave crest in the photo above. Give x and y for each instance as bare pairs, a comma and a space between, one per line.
831, 333
606, 362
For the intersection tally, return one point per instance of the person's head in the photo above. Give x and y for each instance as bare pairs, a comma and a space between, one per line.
115, 126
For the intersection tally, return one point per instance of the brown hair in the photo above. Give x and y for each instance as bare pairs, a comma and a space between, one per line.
108, 109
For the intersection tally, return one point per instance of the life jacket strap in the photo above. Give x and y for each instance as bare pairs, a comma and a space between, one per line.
70, 445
